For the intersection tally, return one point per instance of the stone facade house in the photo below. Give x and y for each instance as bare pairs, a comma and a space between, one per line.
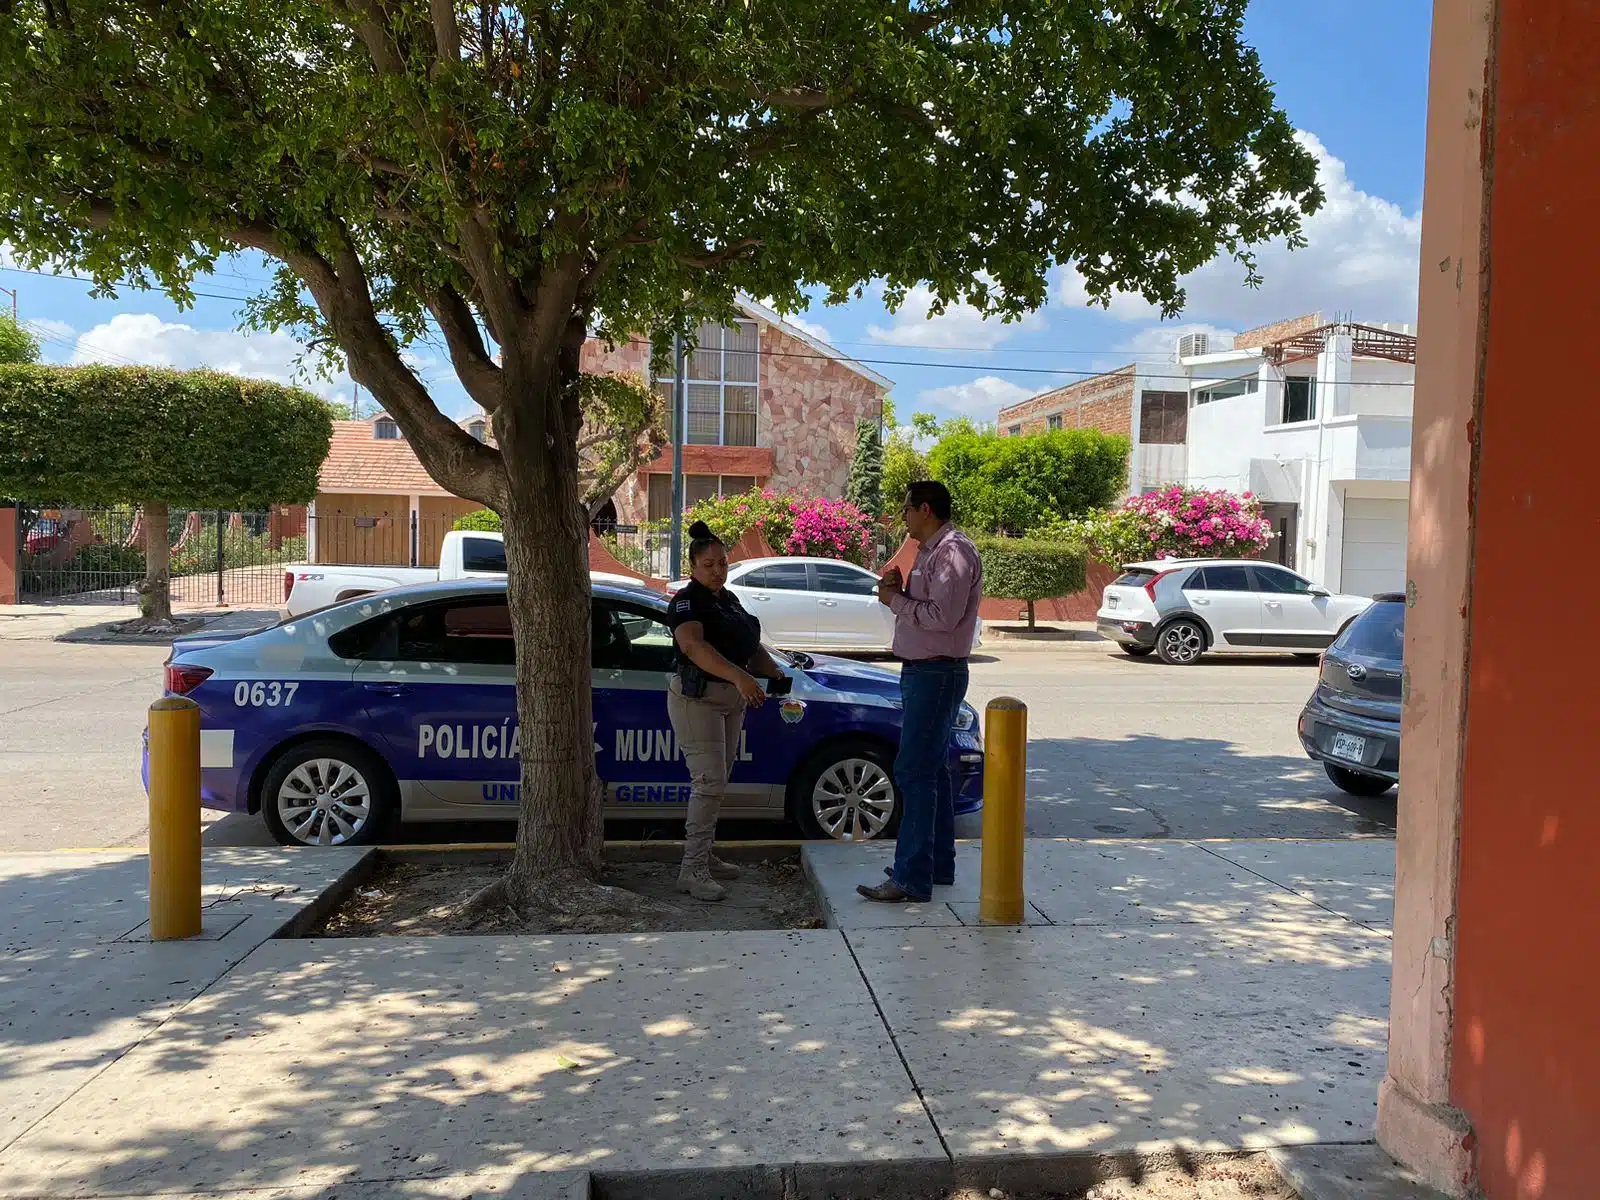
767, 405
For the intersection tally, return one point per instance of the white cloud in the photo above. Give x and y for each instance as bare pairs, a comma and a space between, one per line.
1159, 343
816, 330
55, 335
960, 325
1360, 257
981, 398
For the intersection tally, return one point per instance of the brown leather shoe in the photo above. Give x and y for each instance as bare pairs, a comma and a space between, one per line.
890, 893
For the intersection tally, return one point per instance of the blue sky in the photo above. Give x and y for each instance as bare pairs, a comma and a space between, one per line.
1352, 77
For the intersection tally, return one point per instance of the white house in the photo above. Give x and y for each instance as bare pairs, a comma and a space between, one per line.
1315, 419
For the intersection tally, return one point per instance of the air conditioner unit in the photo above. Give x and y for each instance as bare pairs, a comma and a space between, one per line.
1191, 345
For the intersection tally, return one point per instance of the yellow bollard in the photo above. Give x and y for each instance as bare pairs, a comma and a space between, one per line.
174, 818
1005, 745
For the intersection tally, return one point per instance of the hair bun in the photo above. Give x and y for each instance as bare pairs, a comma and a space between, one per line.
699, 530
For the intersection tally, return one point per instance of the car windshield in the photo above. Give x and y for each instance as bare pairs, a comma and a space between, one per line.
1377, 633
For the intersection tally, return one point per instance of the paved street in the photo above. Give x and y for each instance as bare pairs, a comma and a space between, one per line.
1119, 748
70, 720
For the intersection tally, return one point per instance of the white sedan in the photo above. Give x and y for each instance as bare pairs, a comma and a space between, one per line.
815, 603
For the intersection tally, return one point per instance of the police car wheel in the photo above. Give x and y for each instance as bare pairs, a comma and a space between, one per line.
327, 793
846, 793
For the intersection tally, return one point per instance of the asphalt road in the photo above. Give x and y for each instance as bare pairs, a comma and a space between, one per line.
1118, 748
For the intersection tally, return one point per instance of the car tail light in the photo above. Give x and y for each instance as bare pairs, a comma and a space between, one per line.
1150, 588
182, 680
288, 585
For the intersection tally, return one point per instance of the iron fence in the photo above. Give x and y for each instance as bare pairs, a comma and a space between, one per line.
97, 556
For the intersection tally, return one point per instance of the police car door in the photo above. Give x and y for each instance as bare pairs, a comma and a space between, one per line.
446, 704
636, 753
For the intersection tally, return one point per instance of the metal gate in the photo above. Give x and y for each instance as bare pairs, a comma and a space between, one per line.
96, 556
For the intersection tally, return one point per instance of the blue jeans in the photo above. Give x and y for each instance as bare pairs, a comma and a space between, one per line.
925, 850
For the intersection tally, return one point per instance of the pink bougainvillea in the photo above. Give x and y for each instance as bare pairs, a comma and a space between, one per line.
1179, 522
791, 524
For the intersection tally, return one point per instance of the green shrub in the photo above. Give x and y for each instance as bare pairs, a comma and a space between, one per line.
110, 559
1031, 570
483, 520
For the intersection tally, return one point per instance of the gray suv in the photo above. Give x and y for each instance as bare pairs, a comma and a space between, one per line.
1351, 724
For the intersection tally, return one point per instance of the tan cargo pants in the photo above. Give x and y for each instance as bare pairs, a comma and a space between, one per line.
707, 729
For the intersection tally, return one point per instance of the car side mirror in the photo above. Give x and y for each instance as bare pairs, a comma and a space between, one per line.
1320, 591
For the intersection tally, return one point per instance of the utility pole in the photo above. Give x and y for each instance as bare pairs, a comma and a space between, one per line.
679, 389
12, 293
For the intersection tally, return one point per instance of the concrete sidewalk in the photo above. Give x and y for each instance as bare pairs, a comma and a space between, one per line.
93, 622
1208, 997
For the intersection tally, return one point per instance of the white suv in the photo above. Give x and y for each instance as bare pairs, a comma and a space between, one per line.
1180, 608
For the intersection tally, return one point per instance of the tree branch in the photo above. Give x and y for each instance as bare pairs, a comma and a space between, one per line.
453, 457
446, 35
719, 258
474, 368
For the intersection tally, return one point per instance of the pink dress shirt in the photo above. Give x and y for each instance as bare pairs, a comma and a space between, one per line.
937, 614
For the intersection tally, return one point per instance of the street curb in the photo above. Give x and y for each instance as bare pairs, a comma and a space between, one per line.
1043, 634
621, 852
1071, 1172
330, 898
1347, 1171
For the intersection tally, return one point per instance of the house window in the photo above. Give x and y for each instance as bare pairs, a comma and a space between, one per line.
478, 430
1226, 389
720, 408
385, 429
1299, 399
1163, 418
1014, 431
1053, 422
695, 489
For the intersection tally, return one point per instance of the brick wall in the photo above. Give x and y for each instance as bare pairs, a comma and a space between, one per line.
1104, 402
806, 424
1265, 335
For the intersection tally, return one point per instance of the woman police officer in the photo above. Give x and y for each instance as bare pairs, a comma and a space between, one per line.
719, 657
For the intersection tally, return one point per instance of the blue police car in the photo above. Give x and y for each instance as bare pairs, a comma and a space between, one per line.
401, 706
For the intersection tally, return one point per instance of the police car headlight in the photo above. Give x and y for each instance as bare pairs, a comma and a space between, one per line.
966, 718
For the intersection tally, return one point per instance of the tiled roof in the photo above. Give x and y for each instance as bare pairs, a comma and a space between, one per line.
356, 459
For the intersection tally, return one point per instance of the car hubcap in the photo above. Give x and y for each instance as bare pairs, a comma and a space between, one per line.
1183, 642
324, 802
853, 800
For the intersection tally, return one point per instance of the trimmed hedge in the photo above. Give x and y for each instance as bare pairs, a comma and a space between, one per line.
1025, 569
102, 436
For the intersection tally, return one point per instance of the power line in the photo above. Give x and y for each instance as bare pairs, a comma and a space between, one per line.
125, 283
927, 364
991, 367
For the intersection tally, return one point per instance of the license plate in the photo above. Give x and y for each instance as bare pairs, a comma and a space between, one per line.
1112, 602
1348, 745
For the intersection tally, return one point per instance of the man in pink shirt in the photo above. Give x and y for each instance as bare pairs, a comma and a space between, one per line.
936, 617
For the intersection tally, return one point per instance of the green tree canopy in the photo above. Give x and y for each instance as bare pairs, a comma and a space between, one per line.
1014, 484
17, 345
522, 173
95, 436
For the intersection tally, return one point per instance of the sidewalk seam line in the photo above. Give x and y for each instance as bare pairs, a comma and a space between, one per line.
134, 1045
1345, 917
895, 1042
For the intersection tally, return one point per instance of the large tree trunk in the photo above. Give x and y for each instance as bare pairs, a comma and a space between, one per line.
560, 837
155, 593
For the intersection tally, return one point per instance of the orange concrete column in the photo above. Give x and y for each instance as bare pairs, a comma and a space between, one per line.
10, 556
1525, 1064
1494, 1059
1416, 1122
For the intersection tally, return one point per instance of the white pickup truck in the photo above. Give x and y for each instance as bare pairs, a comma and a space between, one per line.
464, 554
